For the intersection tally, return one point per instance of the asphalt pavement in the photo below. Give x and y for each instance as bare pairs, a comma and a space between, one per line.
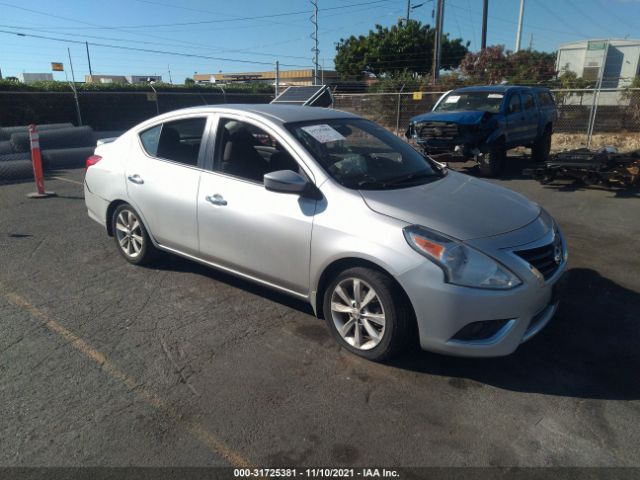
107, 364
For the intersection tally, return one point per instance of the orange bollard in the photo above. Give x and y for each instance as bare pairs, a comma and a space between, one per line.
36, 160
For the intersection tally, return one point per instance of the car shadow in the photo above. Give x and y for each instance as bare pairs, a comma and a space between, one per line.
174, 263
589, 350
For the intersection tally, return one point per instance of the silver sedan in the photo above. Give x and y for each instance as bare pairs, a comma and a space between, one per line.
388, 246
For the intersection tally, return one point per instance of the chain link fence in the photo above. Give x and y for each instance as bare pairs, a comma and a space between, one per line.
106, 111
585, 116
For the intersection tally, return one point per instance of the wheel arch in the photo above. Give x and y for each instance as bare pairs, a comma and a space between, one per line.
341, 264
112, 208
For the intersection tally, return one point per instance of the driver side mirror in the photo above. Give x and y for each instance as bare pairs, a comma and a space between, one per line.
285, 181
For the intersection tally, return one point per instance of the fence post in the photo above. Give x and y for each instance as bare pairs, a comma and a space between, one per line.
398, 111
596, 95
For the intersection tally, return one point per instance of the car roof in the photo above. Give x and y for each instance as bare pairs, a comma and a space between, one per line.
279, 113
496, 88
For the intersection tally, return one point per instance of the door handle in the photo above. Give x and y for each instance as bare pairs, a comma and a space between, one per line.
136, 179
216, 199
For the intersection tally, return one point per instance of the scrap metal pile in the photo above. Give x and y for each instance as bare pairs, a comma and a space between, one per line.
592, 167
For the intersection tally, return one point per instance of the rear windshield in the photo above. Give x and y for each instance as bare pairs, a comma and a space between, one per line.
481, 101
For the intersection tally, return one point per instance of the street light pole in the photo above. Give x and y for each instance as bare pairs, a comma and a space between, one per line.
519, 33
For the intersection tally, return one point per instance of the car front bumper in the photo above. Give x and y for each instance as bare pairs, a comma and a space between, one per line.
443, 310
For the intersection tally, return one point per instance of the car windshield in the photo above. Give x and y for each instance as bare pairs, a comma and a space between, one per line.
482, 101
362, 155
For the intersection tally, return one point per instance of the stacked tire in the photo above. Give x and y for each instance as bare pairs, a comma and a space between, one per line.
62, 146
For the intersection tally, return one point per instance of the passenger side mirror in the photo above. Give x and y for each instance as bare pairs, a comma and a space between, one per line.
285, 181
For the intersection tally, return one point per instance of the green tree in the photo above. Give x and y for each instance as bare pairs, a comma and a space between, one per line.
405, 47
189, 81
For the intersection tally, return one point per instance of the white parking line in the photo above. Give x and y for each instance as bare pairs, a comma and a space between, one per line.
68, 180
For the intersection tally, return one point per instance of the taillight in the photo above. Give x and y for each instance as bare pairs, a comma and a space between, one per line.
92, 160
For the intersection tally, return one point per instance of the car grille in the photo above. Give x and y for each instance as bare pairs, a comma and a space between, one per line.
439, 130
546, 259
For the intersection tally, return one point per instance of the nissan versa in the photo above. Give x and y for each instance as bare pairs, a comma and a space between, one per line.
384, 243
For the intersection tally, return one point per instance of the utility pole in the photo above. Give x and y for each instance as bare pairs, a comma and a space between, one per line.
314, 37
277, 78
519, 33
408, 10
169, 70
485, 12
437, 41
531, 41
86, 44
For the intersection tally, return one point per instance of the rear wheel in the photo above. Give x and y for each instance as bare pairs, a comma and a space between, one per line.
366, 313
132, 239
542, 147
492, 162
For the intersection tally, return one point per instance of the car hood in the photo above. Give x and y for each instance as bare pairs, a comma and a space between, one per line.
459, 117
457, 205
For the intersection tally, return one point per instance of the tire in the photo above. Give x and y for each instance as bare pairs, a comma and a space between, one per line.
66, 157
388, 306
56, 138
542, 147
492, 162
16, 170
125, 216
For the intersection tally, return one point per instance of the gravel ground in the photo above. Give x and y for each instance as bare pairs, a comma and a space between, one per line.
108, 364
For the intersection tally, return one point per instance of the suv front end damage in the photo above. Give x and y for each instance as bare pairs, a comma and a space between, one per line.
466, 139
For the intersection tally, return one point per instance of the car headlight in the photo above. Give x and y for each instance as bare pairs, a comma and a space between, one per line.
462, 265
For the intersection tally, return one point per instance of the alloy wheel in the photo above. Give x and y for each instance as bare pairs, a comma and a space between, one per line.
129, 233
357, 313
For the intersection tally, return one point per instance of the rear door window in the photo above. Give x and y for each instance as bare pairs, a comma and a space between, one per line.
527, 101
178, 141
545, 98
149, 139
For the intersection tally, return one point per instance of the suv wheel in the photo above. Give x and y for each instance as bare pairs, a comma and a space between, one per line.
366, 313
492, 162
131, 237
542, 147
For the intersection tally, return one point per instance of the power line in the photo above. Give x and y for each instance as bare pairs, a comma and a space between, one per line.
148, 50
205, 22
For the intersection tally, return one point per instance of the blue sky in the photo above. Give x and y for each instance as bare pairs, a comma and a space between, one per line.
249, 35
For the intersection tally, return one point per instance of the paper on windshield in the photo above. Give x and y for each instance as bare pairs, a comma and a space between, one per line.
323, 133
452, 99
495, 95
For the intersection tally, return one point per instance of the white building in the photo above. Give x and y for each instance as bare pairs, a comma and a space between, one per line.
617, 60
35, 77
144, 78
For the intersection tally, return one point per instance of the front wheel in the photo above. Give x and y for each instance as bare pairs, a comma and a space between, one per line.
132, 239
492, 162
367, 314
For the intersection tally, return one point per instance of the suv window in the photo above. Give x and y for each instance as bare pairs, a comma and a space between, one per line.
514, 104
247, 151
178, 141
527, 101
545, 98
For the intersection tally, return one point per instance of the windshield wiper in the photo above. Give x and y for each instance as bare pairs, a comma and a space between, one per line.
410, 178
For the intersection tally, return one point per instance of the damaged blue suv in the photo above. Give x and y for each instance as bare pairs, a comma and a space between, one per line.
482, 123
